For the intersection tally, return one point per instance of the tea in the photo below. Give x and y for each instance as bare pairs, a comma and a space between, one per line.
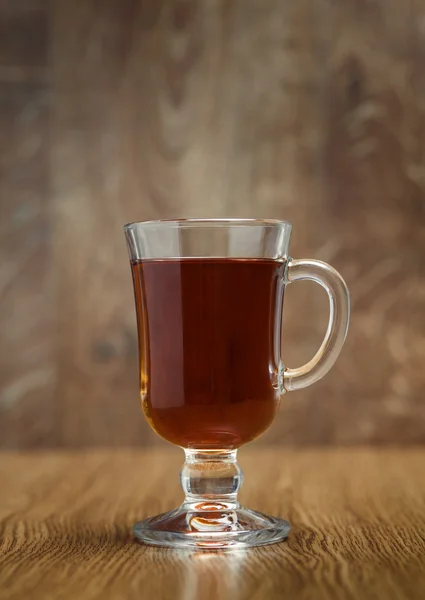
210, 369
208, 330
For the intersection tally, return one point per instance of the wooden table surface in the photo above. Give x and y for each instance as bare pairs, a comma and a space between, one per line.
358, 518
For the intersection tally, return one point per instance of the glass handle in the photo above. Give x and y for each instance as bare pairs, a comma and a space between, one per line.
339, 317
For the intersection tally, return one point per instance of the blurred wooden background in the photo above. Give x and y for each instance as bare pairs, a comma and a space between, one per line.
119, 110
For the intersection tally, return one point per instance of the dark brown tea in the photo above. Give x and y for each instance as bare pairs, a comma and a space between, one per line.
207, 336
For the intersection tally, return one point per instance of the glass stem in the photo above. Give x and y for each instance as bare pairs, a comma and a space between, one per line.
211, 480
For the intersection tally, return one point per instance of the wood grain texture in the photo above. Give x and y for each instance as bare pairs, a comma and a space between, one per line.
27, 307
311, 111
358, 520
242, 108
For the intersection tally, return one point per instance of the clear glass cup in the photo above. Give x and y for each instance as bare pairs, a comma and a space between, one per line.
209, 296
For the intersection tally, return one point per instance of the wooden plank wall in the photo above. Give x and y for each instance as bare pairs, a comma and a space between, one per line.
120, 110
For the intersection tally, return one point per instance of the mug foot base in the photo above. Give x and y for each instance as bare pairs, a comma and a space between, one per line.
211, 526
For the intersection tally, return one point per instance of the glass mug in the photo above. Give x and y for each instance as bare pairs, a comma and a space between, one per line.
209, 296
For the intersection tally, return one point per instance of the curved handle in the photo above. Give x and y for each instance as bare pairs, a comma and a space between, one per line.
339, 317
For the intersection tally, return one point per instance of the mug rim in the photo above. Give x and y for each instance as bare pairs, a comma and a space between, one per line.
213, 222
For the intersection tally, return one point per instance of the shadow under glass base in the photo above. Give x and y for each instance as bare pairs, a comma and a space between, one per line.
211, 526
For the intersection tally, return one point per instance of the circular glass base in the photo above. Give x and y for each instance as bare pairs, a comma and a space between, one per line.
210, 527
